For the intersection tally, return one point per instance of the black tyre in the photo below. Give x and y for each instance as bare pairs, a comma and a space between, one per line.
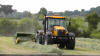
61, 45
39, 39
47, 40
71, 42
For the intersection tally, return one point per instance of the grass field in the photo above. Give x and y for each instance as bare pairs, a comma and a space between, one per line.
83, 46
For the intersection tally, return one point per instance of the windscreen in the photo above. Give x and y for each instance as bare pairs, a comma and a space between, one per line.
58, 22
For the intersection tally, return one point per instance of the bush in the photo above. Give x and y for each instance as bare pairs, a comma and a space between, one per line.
95, 35
37, 25
98, 27
7, 26
78, 26
25, 25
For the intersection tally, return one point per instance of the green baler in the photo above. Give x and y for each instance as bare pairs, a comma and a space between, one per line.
21, 37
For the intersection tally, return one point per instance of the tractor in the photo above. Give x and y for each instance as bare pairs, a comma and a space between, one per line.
55, 32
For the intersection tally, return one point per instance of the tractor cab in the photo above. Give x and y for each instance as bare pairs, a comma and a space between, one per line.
56, 24
55, 21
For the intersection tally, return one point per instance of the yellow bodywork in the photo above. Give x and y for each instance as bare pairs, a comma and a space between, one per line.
56, 17
58, 28
55, 33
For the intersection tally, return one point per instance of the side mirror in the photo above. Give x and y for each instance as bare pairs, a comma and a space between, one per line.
69, 23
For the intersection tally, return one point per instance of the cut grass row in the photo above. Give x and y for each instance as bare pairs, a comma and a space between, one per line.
83, 46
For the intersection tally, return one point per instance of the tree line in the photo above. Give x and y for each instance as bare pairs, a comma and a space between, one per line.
9, 27
7, 11
87, 25
76, 13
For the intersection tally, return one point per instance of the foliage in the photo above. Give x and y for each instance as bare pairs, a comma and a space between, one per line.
73, 27
76, 13
41, 16
29, 25
27, 22
92, 20
7, 26
25, 25
37, 25
43, 11
7, 11
85, 27
78, 26
98, 27
96, 33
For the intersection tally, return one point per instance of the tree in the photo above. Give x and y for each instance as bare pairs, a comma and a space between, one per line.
78, 26
76, 12
82, 10
37, 25
7, 26
92, 20
43, 11
73, 27
50, 13
27, 14
6, 9
25, 25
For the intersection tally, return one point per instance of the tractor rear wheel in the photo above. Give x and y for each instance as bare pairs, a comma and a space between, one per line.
70, 43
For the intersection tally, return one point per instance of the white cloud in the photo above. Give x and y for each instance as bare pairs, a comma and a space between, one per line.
51, 5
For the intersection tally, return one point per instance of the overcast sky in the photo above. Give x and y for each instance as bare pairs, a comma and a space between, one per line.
51, 5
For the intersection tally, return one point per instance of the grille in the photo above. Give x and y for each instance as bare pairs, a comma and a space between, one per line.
61, 32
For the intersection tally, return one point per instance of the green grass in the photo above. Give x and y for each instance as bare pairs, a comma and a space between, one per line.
83, 46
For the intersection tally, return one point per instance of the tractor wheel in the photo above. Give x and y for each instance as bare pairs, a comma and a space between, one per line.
17, 41
47, 40
70, 43
61, 45
39, 39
